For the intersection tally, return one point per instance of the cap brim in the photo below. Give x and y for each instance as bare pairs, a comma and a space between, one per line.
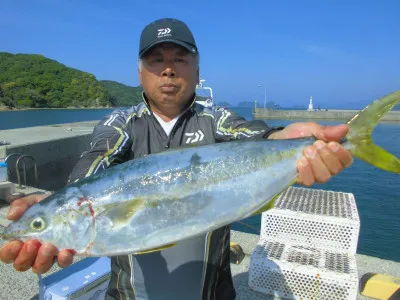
189, 47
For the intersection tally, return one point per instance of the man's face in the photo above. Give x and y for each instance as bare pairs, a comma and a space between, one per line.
169, 75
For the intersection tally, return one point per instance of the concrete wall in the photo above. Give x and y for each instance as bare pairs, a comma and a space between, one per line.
333, 115
56, 149
55, 160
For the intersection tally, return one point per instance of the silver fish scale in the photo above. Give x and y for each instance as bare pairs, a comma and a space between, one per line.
203, 174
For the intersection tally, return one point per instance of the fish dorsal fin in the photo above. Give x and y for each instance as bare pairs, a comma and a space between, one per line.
121, 212
156, 249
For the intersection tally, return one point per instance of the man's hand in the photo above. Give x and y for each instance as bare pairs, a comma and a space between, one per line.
326, 157
31, 253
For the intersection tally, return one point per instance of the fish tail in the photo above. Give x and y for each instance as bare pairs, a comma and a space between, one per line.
359, 137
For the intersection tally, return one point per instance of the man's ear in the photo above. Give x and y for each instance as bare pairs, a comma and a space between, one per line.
140, 69
198, 75
140, 77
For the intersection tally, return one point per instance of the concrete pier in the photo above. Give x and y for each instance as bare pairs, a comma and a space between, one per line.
330, 115
56, 149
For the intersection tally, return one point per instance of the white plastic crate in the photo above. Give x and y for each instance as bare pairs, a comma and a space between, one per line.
315, 218
298, 272
307, 246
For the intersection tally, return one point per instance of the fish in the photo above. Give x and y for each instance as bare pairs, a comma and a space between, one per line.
154, 202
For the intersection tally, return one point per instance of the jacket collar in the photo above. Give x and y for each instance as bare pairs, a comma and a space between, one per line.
190, 107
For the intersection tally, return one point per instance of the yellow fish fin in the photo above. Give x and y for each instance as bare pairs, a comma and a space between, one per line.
360, 130
271, 203
121, 212
156, 249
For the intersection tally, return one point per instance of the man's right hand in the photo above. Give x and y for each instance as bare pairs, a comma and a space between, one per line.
31, 253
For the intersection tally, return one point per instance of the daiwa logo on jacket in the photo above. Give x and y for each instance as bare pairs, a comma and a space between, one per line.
194, 137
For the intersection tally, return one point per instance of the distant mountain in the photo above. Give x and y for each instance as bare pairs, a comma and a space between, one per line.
246, 104
34, 81
121, 94
223, 104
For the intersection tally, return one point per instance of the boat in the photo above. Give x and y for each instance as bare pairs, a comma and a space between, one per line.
204, 94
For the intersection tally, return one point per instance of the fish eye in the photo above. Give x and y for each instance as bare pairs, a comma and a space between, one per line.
38, 224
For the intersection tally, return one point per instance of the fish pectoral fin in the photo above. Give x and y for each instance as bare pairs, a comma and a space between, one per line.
121, 212
156, 249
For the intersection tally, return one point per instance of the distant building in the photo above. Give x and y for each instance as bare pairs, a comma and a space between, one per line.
310, 106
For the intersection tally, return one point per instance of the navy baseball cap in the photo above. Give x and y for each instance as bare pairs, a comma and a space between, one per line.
166, 30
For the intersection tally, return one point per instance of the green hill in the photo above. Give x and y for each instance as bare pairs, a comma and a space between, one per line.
121, 94
30, 80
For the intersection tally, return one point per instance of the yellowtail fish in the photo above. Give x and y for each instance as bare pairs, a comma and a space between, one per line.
153, 202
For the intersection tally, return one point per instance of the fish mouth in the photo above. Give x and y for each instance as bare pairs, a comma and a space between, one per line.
12, 234
6, 236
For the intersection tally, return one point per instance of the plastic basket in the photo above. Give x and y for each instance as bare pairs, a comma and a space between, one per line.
313, 218
298, 272
307, 246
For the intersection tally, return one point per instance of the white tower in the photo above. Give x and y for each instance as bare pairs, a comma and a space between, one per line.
310, 106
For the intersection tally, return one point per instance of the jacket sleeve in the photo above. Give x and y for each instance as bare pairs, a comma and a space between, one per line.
109, 146
231, 126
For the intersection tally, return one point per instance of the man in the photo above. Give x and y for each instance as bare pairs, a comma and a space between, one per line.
197, 268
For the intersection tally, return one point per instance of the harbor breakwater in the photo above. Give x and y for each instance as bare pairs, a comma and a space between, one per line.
332, 115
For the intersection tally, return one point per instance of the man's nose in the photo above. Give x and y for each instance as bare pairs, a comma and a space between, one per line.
169, 70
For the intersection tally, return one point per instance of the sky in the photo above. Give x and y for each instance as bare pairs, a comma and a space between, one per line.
342, 53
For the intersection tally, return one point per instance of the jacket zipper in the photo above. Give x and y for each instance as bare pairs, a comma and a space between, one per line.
174, 129
176, 123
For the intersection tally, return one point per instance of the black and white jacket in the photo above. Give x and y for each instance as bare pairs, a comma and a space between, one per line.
198, 268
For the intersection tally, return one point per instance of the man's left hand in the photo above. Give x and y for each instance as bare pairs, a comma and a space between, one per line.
326, 157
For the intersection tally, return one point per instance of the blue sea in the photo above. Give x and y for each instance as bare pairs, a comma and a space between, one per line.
377, 192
